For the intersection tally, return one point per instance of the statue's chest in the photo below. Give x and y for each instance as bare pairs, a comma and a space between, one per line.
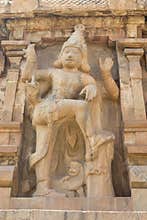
67, 81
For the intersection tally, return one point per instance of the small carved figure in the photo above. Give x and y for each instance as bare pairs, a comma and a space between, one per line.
74, 181
62, 93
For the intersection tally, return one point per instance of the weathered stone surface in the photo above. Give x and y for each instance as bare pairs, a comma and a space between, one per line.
96, 204
6, 176
137, 154
11, 87
13, 45
48, 24
137, 149
134, 56
47, 215
8, 150
63, 215
78, 6
65, 102
18, 6
139, 199
138, 176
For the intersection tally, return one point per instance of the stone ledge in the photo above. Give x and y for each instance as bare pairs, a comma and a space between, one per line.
137, 159
8, 150
135, 126
134, 52
14, 53
137, 149
62, 203
137, 154
65, 11
13, 45
132, 43
10, 126
68, 215
138, 176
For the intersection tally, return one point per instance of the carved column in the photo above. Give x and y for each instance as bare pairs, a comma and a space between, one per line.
10, 128
130, 52
133, 56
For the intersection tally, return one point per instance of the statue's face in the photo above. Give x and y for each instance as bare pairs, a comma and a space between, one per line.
74, 168
71, 58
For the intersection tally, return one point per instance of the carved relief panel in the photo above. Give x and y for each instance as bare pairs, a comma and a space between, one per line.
73, 140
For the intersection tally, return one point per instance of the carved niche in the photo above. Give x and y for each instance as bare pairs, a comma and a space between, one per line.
70, 139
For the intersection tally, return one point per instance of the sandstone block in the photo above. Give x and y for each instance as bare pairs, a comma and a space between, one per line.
138, 176
139, 197
47, 215
6, 175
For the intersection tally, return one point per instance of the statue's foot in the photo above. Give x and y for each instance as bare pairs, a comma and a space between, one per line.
54, 194
42, 192
47, 192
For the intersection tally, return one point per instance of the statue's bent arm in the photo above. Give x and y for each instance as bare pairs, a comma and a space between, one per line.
43, 74
111, 87
109, 83
90, 88
33, 88
87, 80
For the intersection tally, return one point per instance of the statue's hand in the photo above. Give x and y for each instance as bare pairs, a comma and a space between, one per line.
90, 92
106, 65
66, 178
32, 91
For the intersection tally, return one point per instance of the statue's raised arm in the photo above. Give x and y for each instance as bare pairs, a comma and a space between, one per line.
30, 68
34, 77
109, 83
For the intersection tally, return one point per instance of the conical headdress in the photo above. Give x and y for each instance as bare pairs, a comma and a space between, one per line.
76, 40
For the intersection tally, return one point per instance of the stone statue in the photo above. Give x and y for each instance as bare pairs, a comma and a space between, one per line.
73, 183
65, 92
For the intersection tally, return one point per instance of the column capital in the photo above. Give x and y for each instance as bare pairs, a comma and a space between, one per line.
14, 51
134, 52
12, 45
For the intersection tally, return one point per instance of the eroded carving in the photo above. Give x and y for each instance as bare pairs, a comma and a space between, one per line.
68, 92
73, 183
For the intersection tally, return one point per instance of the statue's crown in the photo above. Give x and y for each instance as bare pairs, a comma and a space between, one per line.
76, 40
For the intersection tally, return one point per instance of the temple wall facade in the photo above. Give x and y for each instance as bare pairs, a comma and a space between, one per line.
116, 30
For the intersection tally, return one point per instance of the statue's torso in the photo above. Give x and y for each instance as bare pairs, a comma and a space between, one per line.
66, 85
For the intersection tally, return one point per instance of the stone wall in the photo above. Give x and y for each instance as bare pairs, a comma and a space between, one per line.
117, 30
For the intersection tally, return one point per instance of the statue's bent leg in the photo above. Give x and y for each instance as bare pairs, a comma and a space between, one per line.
80, 110
64, 109
45, 139
93, 135
98, 161
43, 159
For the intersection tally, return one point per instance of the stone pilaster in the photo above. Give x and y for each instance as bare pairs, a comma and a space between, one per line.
10, 129
134, 55
130, 52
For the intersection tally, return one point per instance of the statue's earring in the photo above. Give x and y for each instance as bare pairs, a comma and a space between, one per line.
85, 67
58, 64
